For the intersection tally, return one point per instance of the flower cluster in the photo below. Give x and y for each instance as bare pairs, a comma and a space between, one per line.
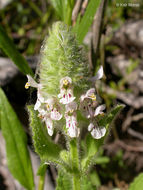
90, 109
64, 105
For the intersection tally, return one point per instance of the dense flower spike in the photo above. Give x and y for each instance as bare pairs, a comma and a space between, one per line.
50, 109
64, 75
63, 58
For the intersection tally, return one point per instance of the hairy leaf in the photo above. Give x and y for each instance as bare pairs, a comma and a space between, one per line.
42, 143
86, 184
10, 50
18, 158
137, 183
64, 181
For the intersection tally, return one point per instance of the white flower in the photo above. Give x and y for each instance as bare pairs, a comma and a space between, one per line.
37, 105
49, 125
87, 102
66, 91
71, 120
99, 110
55, 114
90, 94
98, 75
97, 132
66, 96
40, 99
54, 108
71, 125
87, 108
31, 82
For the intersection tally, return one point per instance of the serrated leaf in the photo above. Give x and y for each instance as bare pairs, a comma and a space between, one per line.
18, 158
137, 184
46, 149
83, 27
10, 50
92, 144
64, 181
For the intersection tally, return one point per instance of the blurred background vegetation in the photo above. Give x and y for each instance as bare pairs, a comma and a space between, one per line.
27, 22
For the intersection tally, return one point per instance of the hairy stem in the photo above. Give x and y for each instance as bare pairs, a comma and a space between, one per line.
75, 164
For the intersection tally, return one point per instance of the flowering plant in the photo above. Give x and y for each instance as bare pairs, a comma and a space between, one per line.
67, 102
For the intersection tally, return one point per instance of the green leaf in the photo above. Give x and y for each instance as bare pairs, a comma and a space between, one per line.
46, 149
18, 158
82, 28
58, 7
109, 117
137, 184
86, 184
64, 181
10, 50
64, 9
93, 145
94, 178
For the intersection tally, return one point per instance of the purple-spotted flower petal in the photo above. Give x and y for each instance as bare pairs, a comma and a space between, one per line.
55, 114
54, 108
71, 125
66, 96
87, 108
49, 125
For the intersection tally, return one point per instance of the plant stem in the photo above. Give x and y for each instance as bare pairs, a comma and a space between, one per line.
76, 182
75, 164
41, 182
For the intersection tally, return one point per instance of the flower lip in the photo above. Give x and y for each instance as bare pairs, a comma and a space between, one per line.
90, 94
99, 110
66, 96
97, 132
49, 125
71, 125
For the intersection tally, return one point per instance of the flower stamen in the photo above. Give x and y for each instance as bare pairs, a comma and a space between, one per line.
93, 97
65, 82
27, 85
